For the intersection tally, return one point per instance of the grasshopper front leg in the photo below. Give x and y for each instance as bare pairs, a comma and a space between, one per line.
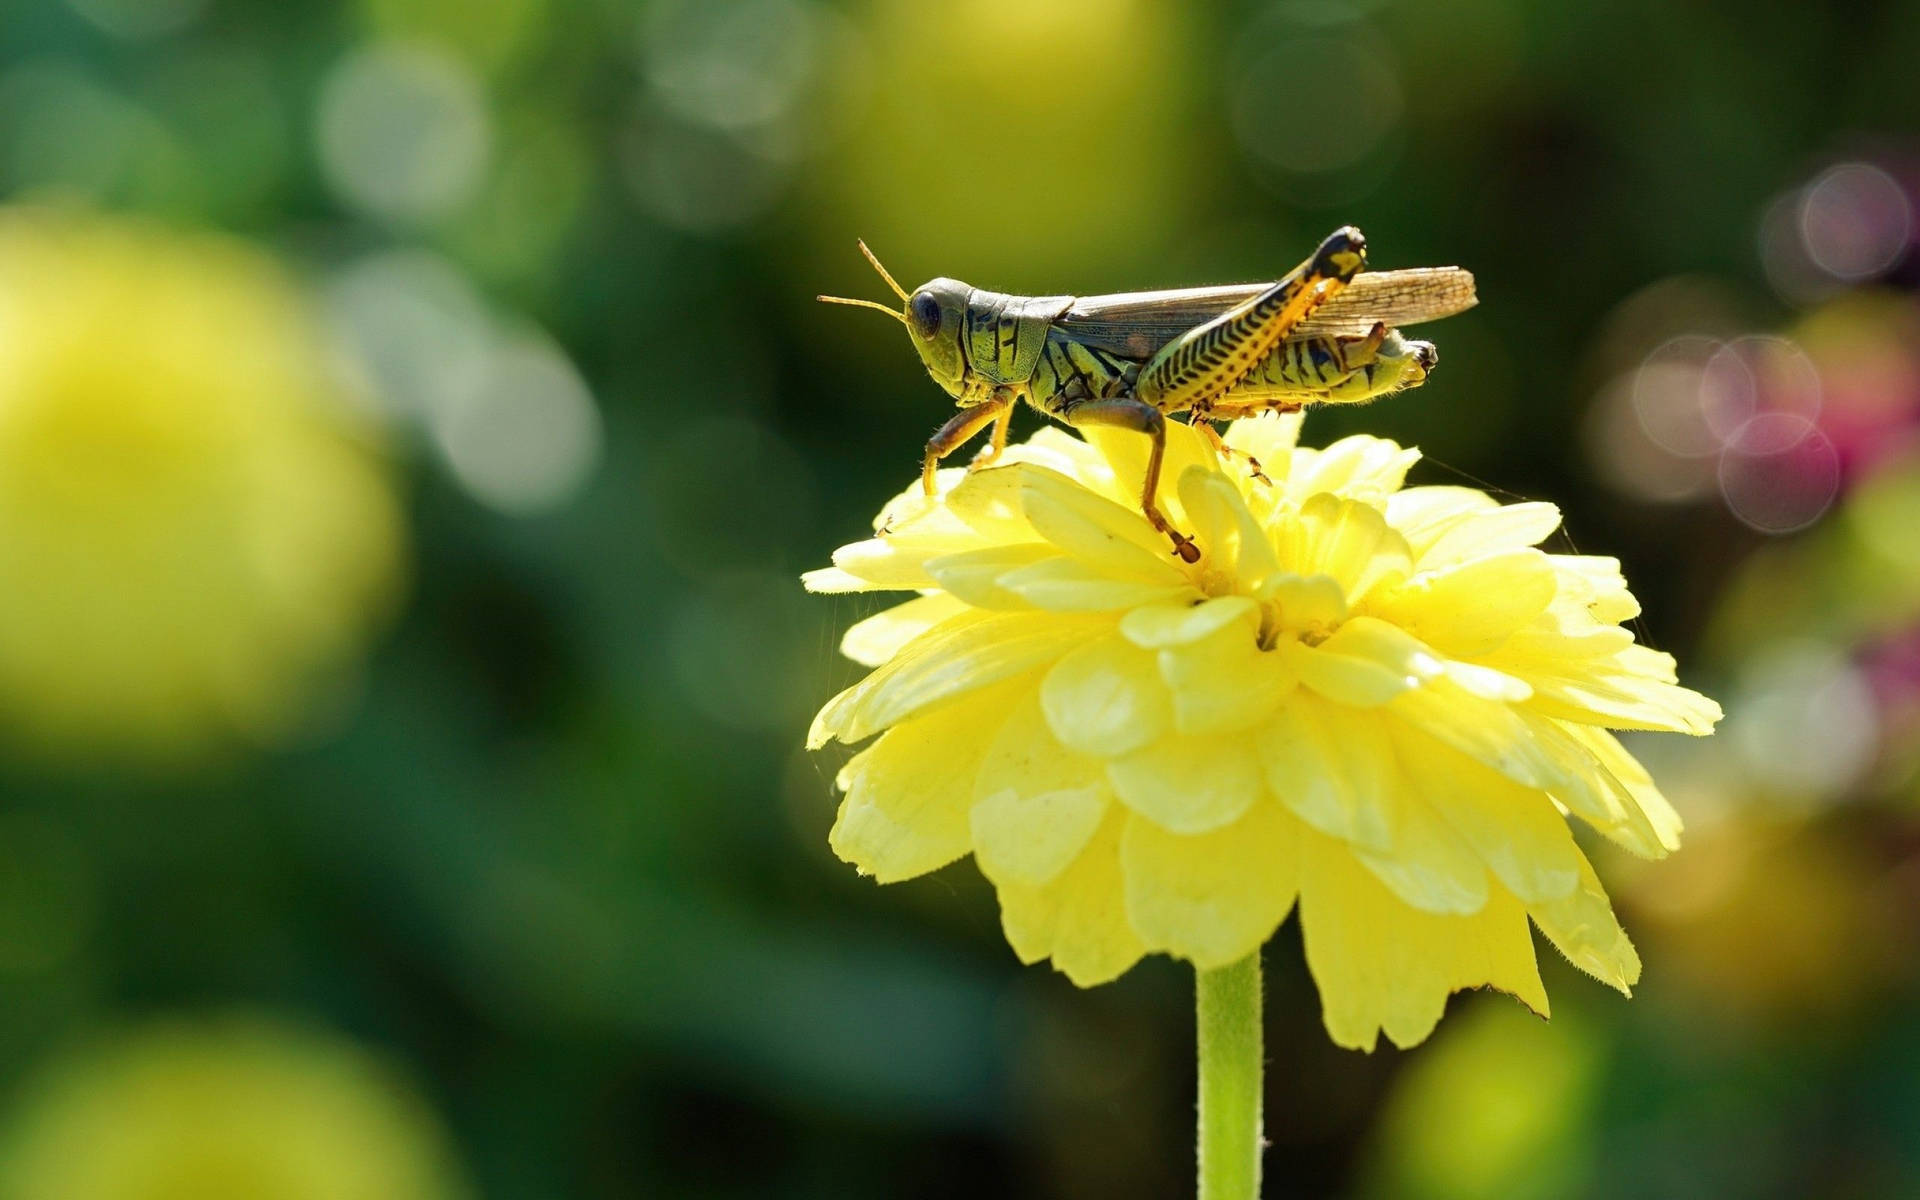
997, 445
1141, 418
964, 424
1208, 360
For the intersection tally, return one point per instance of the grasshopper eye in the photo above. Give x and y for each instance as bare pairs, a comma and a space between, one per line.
924, 313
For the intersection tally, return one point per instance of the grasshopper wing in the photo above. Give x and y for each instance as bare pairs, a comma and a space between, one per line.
1393, 298
1135, 325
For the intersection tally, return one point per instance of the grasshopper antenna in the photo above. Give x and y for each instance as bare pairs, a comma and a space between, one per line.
875, 305
897, 290
874, 259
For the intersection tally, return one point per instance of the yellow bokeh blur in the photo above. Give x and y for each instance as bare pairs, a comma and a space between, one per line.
1500, 1106
194, 529
230, 1109
1017, 140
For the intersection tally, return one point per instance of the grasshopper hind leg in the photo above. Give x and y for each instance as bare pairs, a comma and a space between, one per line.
1141, 418
1210, 360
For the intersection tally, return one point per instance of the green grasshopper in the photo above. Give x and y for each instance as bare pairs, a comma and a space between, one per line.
1323, 334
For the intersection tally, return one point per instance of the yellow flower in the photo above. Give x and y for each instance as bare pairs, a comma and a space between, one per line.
227, 1110
1379, 701
192, 526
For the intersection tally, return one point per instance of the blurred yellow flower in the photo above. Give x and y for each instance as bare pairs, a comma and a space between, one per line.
225, 1110
1379, 700
192, 527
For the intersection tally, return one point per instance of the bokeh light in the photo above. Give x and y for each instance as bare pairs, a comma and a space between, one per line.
1315, 141
526, 438
1849, 225
1671, 397
1779, 473
403, 131
736, 96
415, 326
1803, 723
1856, 221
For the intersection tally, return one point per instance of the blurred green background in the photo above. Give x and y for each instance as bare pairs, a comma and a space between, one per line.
403, 667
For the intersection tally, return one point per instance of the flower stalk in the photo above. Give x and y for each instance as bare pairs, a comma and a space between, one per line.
1228, 1018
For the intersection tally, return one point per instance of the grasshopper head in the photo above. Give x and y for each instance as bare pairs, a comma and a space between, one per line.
936, 320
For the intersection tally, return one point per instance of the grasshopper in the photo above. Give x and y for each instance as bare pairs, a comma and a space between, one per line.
1322, 334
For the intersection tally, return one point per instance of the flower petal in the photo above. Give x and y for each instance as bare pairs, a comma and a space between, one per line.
1582, 926
1064, 584
1057, 450
1533, 751
988, 502
1126, 452
912, 510
1309, 603
1106, 698
1490, 531
1429, 867
1383, 966
1189, 784
1632, 689
1595, 584
1488, 731
1516, 831
1080, 918
1358, 467
954, 657
974, 575
1208, 500
1088, 526
909, 794
1561, 640
898, 560
1469, 608
879, 637
1212, 898
1487, 683
1332, 768
1036, 803
1154, 626
1225, 527
833, 581
1348, 540
1224, 682
1423, 514
1590, 790
1615, 758
1366, 663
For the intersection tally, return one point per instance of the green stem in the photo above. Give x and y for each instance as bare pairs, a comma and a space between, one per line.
1227, 1010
